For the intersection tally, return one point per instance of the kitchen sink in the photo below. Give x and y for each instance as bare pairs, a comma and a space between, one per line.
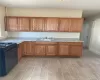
45, 39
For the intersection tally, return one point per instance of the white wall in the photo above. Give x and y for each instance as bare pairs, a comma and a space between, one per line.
44, 12
94, 45
44, 34
2, 28
95, 37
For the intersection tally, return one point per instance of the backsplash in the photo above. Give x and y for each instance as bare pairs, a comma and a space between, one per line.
44, 34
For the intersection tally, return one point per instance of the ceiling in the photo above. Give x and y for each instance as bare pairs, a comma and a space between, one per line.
89, 7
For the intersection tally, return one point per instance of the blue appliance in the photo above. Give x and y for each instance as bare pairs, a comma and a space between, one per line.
8, 57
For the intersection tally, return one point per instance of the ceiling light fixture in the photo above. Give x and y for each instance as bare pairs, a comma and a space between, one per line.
65, 0
61, 0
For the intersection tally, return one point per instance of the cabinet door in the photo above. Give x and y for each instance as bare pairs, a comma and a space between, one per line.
28, 48
64, 25
51, 24
76, 25
40, 50
37, 24
11, 23
75, 50
20, 51
51, 50
63, 50
23, 24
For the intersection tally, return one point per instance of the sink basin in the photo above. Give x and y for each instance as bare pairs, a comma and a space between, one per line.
45, 39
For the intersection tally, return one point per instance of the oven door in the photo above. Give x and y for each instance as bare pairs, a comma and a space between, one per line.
2, 63
11, 58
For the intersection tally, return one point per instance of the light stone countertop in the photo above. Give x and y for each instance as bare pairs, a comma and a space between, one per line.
19, 40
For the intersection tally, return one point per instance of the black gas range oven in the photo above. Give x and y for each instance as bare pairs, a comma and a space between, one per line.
8, 57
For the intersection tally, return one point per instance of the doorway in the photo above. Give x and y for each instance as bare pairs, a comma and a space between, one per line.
85, 35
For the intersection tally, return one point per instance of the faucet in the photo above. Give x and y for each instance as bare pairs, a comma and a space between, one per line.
46, 37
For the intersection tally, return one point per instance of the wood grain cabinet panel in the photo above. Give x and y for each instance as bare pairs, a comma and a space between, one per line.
37, 24
24, 24
64, 25
51, 24
40, 50
76, 25
51, 50
63, 50
75, 50
32, 47
28, 48
20, 51
11, 23
44, 24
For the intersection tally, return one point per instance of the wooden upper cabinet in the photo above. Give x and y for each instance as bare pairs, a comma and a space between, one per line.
44, 24
76, 25
51, 50
51, 24
64, 24
11, 23
23, 24
63, 49
37, 24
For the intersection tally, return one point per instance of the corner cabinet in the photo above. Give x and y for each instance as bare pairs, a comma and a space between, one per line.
17, 24
20, 50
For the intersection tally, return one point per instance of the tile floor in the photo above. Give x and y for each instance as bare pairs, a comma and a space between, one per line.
40, 68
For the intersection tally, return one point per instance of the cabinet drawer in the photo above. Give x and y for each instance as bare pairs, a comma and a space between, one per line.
46, 42
75, 43
71, 43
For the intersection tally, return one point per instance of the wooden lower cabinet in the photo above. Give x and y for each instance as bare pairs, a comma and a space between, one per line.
51, 50
75, 50
63, 49
30, 48
20, 51
40, 50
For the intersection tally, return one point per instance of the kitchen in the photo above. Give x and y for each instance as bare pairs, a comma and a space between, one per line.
42, 42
